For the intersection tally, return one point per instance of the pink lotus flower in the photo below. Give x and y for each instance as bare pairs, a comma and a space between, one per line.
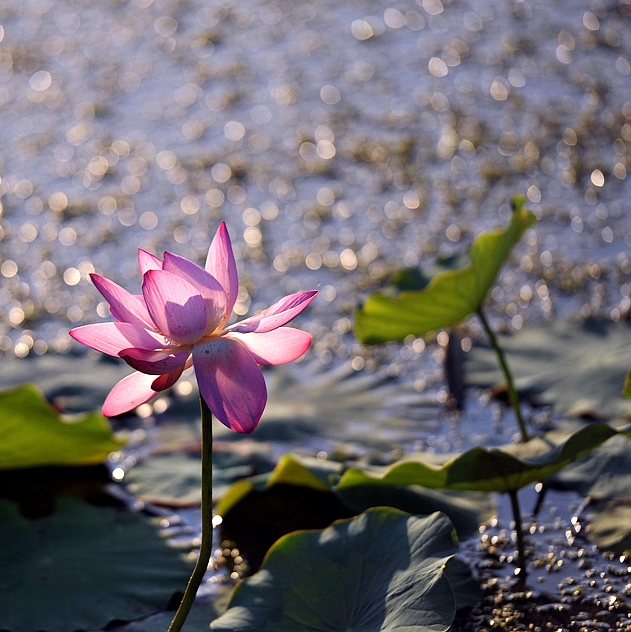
180, 321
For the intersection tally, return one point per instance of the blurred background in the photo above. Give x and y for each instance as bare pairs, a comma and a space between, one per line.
338, 140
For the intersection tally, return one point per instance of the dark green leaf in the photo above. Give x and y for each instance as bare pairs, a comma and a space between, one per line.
36, 490
467, 511
290, 470
419, 278
450, 296
381, 571
33, 433
82, 567
262, 517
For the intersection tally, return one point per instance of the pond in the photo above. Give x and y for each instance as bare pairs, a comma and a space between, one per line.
339, 142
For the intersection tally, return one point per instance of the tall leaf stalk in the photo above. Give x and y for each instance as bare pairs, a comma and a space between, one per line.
206, 547
514, 401
508, 376
521, 551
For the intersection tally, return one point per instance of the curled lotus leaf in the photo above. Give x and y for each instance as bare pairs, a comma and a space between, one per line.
495, 470
450, 296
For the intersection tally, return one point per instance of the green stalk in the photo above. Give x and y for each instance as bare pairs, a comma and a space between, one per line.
514, 500
206, 546
508, 376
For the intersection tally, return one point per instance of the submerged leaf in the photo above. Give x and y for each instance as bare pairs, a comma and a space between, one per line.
33, 433
449, 297
82, 567
382, 571
576, 366
493, 470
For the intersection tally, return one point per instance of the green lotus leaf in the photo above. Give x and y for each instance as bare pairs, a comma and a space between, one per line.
381, 571
259, 510
577, 366
495, 470
82, 567
449, 297
33, 433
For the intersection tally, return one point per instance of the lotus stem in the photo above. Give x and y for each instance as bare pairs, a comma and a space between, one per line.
206, 547
521, 552
508, 376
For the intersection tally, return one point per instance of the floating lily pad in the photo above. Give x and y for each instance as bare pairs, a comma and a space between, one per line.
383, 570
174, 479
33, 433
83, 567
301, 494
496, 470
576, 366
450, 296
308, 402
